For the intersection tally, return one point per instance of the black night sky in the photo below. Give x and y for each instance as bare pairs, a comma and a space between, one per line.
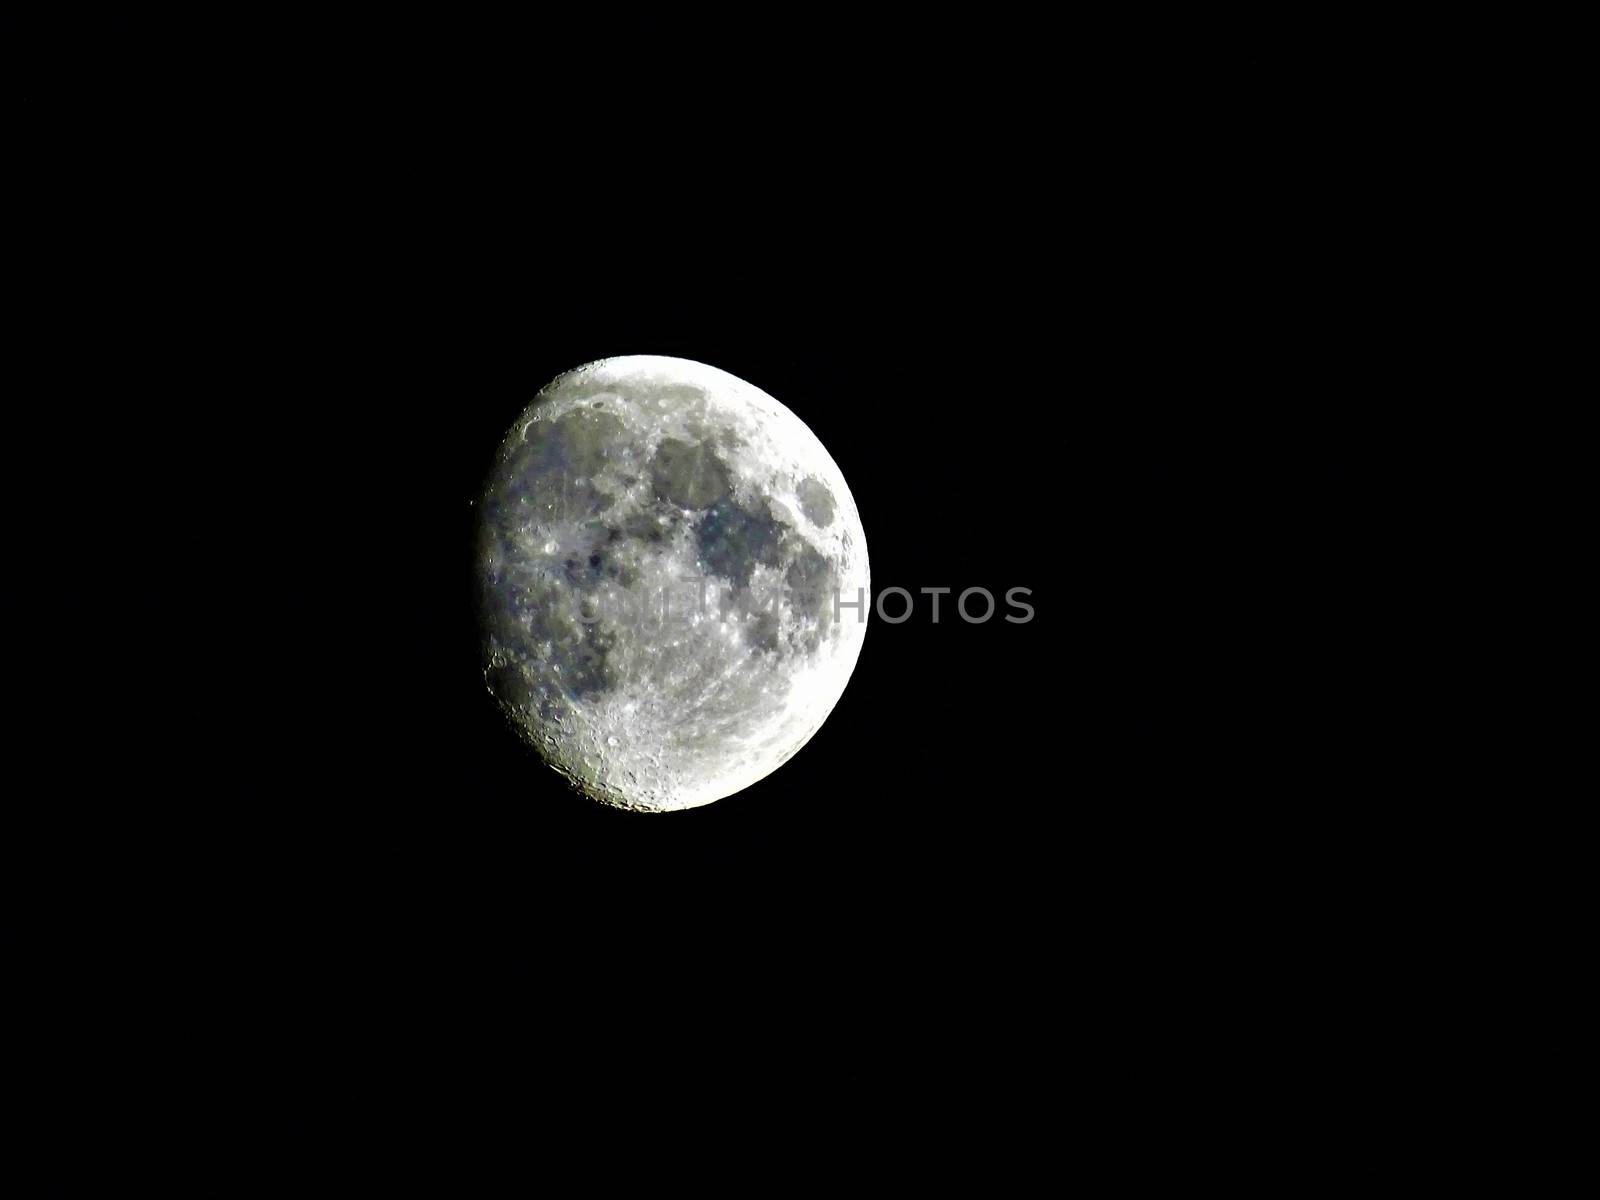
1054, 394
1059, 334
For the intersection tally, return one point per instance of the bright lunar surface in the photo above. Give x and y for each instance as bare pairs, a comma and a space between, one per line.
673, 580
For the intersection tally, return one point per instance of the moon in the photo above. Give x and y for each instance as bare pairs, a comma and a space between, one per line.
672, 578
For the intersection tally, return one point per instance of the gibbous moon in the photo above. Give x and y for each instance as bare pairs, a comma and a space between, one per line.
673, 580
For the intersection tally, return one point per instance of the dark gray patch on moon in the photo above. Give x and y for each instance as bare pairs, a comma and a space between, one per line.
816, 501
811, 583
587, 671
733, 539
595, 558
551, 470
652, 525
761, 634
577, 650
532, 624
510, 685
689, 473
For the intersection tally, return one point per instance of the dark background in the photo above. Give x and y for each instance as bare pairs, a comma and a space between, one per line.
1127, 413
1095, 318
